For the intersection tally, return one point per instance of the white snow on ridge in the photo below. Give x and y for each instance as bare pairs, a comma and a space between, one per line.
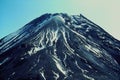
58, 18
94, 50
56, 75
35, 50
90, 78
59, 65
42, 73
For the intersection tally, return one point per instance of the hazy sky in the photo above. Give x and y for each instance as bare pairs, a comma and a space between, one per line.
14, 14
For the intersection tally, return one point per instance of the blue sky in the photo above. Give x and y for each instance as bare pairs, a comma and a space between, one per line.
14, 14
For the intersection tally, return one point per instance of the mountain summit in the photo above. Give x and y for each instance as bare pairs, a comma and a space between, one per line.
60, 47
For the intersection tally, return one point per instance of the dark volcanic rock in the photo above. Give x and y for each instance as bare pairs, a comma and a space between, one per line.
60, 47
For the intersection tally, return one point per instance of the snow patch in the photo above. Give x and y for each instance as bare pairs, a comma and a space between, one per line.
35, 50
56, 75
59, 65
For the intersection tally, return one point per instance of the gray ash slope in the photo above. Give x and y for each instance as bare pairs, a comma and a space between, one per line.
60, 47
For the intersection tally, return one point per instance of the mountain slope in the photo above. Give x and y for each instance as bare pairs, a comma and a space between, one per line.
60, 47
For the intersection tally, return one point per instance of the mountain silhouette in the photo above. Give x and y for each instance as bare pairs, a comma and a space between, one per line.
60, 47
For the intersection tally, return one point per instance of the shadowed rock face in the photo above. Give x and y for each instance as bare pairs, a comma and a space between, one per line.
60, 47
